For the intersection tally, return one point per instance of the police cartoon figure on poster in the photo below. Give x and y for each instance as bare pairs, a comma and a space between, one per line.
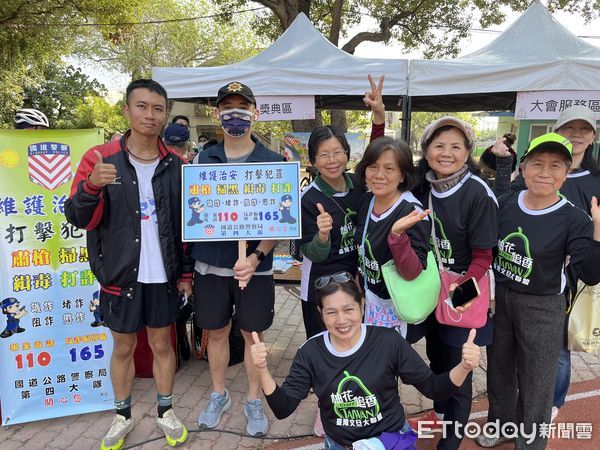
196, 208
284, 208
14, 312
95, 308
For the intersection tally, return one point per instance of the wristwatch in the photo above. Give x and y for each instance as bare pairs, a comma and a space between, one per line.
259, 255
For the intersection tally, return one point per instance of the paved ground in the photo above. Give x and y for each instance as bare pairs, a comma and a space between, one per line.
193, 386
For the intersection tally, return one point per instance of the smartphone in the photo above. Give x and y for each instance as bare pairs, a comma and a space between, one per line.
465, 292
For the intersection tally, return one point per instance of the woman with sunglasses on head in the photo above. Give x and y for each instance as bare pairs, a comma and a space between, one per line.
329, 207
353, 369
390, 226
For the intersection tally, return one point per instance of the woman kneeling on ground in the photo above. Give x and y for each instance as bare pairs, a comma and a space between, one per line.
353, 370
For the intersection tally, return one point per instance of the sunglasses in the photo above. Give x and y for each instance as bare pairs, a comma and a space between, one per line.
338, 277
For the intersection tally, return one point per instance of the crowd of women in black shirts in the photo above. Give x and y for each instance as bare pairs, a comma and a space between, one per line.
353, 223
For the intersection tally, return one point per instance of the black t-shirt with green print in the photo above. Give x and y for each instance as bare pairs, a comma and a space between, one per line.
358, 389
465, 217
376, 249
533, 244
343, 208
579, 188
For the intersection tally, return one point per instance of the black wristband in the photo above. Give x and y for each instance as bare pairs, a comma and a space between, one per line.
259, 255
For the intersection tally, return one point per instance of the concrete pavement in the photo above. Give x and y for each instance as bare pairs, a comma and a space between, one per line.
193, 387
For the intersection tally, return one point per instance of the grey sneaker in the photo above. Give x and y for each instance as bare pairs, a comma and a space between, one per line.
115, 437
258, 425
490, 442
217, 405
175, 431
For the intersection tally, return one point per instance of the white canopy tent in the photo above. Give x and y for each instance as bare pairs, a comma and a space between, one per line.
535, 53
300, 62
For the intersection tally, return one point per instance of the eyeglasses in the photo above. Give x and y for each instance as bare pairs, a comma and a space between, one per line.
338, 277
327, 156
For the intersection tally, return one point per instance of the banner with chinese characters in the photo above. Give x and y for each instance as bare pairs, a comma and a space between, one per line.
276, 107
54, 351
251, 201
547, 105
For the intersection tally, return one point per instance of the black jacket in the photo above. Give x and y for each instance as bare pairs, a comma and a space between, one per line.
111, 216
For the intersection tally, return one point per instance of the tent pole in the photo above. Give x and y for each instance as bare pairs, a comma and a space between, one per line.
406, 112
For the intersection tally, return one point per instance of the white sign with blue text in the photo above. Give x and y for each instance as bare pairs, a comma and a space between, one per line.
249, 201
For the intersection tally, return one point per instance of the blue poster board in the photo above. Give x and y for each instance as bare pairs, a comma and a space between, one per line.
250, 201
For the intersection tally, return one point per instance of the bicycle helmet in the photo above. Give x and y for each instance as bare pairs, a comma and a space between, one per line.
29, 118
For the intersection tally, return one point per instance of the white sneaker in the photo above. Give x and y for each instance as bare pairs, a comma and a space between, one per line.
553, 414
119, 429
175, 431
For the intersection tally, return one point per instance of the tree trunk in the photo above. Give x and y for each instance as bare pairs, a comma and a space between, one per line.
336, 22
306, 124
338, 120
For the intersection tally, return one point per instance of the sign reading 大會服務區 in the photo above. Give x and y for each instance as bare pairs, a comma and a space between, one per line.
539, 105
54, 350
250, 201
277, 107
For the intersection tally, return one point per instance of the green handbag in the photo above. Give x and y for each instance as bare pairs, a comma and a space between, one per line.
413, 300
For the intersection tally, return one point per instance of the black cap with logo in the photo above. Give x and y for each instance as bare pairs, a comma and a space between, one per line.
235, 87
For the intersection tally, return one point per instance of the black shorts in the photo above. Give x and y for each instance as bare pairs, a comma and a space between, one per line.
154, 305
215, 297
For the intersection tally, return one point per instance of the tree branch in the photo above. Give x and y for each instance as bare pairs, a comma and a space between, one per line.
363, 36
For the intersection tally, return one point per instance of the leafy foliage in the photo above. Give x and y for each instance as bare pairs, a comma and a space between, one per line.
135, 49
96, 112
57, 90
36, 33
70, 99
434, 26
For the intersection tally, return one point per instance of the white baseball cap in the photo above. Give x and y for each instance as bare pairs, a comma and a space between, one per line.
577, 112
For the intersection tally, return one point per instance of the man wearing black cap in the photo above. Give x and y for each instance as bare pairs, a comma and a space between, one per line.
177, 138
218, 270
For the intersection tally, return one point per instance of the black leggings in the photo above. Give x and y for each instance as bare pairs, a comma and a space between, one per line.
444, 357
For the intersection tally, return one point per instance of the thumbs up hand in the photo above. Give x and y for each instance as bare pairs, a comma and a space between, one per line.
324, 223
259, 352
470, 352
103, 173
